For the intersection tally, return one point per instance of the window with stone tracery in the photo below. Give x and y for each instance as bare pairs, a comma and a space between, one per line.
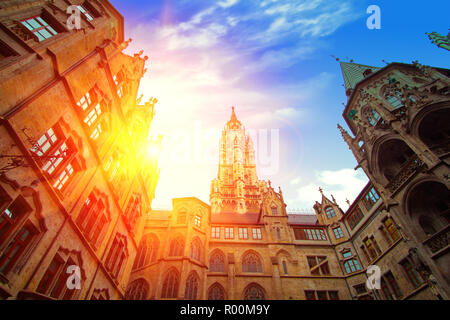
254, 292
251, 263
170, 285
217, 262
216, 292
191, 290
137, 290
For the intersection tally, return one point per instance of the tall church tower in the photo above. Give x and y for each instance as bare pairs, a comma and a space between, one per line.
237, 188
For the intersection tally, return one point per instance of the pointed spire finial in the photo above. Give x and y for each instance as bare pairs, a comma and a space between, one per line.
320, 190
348, 201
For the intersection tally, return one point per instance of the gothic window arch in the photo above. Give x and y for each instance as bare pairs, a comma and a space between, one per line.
251, 262
176, 247
21, 226
94, 217
137, 290
196, 249
274, 210
192, 284
216, 292
133, 211
330, 212
117, 256
53, 282
148, 251
217, 262
254, 292
100, 294
170, 285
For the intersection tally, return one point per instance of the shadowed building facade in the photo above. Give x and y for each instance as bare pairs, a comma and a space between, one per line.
73, 189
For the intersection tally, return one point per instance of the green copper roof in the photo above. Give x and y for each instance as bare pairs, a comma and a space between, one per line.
353, 73
440, 40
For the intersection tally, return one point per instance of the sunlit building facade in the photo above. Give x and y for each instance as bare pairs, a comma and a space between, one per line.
74, 190
245, 245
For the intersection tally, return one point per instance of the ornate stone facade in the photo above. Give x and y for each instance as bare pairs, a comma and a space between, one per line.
73, 189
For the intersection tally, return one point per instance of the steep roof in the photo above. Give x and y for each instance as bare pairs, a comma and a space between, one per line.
354, 73
303, 219
235, 218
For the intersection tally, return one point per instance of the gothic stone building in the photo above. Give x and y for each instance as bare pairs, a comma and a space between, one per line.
72, 191
244, 245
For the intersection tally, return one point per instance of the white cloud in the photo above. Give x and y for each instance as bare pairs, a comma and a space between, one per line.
227, 3
342, 184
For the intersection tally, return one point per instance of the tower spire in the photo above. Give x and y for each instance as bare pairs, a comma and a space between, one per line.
233, 123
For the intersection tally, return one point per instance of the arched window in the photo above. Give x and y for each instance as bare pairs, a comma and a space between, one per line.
148, 250
251, 263
330, 212
216, 292
190, 293
217, 262
254, 292
176, 247
285, 270
196, 249
170, 285
137, 290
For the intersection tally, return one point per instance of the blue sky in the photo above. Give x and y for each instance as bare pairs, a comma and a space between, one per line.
272, 61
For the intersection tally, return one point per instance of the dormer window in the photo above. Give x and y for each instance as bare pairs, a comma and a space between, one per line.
39, 27
367, 72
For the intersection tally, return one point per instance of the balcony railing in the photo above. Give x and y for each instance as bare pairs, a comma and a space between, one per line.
439, 240
411, 167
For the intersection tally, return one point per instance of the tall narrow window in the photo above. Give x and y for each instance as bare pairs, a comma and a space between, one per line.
389, 287
274, 211
370, 198
285, 270
86, 13
229, 233
117, 256
148, 251
170, 285
338, 232
197, 221
16, 248
243, 233
414, 277
93, 218
217, 262
53, 283
215, 232
176, 247
257, 234
191, 289
12, 215
196, 249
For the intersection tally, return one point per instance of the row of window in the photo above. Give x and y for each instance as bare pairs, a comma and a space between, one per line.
389, 230
369, 199
321, 295
309, 233
242, 233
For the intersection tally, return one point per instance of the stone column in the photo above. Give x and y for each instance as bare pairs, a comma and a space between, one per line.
276, 279
231, 278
